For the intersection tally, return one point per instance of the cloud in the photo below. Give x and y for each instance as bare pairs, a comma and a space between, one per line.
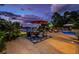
57, 7
25, 9
22, 9
29, 9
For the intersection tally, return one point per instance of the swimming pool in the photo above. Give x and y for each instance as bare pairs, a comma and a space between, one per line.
69, 33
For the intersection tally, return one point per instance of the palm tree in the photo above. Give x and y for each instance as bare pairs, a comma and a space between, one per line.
66, 17
73, 16
70, 17
57, 20
8, 31
12, 29
76, 25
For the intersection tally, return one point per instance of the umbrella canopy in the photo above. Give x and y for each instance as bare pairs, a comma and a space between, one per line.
39, 22
70, 25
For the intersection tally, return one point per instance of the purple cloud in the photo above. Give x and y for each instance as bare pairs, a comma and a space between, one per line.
57, 7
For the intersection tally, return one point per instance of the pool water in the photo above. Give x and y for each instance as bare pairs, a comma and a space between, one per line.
69, 33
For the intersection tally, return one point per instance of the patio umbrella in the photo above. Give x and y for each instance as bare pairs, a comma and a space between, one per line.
39, 22
70, 25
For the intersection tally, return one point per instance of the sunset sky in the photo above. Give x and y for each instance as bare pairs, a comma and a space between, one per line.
42, 10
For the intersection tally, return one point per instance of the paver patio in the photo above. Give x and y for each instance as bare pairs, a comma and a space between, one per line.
57, 45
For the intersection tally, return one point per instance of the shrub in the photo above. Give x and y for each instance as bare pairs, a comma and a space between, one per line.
2, 41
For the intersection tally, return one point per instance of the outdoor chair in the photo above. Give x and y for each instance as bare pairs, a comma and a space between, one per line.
40, 35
